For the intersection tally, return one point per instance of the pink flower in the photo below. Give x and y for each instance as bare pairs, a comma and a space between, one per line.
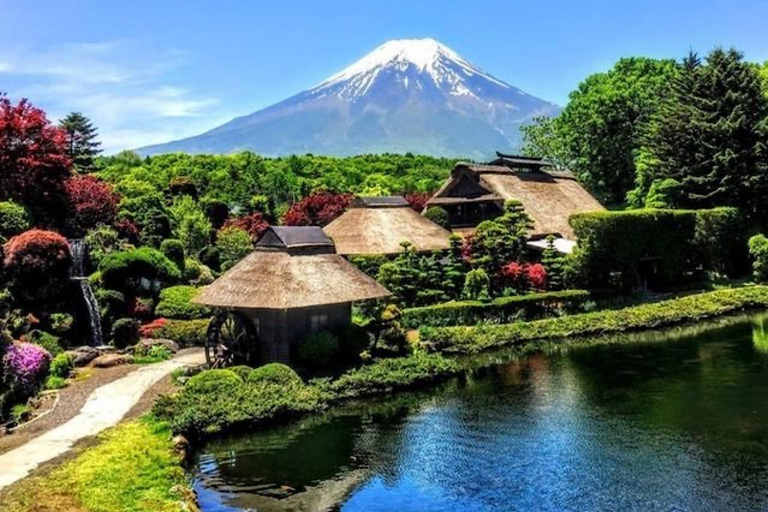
25, 364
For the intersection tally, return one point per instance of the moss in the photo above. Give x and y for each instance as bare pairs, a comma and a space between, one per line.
133, 468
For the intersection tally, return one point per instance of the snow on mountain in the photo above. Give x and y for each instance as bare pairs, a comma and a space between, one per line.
413, 95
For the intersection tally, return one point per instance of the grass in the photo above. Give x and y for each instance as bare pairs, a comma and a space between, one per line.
133, 468
691, 308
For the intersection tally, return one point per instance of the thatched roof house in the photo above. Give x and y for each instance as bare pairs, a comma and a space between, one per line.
294, 283
477, 192
377, 225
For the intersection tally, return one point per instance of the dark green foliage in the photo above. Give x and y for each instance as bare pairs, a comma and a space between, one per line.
210, 257
415, 279
82, 145
212, 381
61, 323
102, 241
176, 302
664, 247
150, 215
501, 240
554, 263
477, 285
14, 219
187, 333
758, 251
318, 349
48, 341
439, 216
174, 251
692, 308
118, 268
710, 135
242, 371
501, 310
125, 332
353, 339
112, 304
276, 373
61, 366
233, 244
369, 264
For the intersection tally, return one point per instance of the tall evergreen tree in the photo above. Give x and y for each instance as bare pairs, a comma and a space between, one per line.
81, 140
710, 136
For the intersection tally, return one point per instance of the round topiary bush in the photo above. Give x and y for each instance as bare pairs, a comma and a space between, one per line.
37, 263
242, 371
125, 332
176, 302
277, 373
318, 349
174, 251
211, 381
119, 267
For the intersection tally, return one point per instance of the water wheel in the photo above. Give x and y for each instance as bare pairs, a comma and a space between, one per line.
231, 340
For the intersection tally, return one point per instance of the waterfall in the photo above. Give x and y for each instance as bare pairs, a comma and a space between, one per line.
79, 250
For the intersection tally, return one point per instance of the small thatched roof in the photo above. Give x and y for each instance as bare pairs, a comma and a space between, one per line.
379, 225
292, 267
550, 198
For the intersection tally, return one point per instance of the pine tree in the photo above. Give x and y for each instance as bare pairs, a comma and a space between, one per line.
554, 263
81, 140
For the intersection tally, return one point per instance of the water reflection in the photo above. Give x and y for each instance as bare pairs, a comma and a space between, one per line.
678, 425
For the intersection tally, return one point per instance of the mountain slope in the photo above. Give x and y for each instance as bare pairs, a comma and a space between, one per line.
412, 95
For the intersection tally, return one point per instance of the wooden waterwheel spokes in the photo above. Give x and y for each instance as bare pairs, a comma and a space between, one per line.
230, 340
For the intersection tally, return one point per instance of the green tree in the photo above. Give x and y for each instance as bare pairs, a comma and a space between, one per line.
190, 225
82, 145
502, 240
233, 244
602, 126
554, 263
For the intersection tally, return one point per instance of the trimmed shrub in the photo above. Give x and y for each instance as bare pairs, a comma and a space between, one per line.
369, 264
37, 263
210, 381
176, 302
197, 274
353, 339
758, 251
501, 310
477, 285
125, 332
14, 219
186, 333
318, 349
242, 371
119, 267
276, 373
24, 366
439, 216
233, 244
48, 341
210, 257
61, 366
174, 251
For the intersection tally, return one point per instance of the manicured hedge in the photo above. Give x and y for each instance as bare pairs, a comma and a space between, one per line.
186, 333
176, 302
501, 310
470, 339
669, 247
118, 267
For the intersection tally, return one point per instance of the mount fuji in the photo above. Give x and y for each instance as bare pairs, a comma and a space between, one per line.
407, 95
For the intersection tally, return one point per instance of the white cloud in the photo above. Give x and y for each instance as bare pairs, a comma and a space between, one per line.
130, 101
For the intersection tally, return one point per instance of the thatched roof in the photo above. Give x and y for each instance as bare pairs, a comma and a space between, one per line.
550, 198
292, 267
379, 225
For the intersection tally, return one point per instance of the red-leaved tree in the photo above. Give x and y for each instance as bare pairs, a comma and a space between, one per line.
91, 202
34, 163
417, 200
253, 223
37, 263
317, 209
525, 276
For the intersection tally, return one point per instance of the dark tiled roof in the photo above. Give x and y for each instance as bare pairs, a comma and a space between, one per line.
379, 202
289, 237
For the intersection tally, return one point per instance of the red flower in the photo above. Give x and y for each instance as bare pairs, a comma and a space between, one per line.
317, 209
254, 224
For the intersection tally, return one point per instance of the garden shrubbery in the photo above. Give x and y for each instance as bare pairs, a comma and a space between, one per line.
37, 263
176, 302
14, 220
186, 333
758, 251
318, 349
120, 267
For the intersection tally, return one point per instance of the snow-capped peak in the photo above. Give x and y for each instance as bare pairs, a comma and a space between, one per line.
443, 65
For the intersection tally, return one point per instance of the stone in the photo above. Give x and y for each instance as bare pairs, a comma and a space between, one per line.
110, 360
146, 343
81, 356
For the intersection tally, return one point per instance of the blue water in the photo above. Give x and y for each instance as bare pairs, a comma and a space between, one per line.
678, 424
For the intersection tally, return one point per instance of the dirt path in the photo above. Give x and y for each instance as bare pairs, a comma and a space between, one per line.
105, 406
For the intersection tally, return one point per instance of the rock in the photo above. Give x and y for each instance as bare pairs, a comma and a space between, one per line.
81, 356
180, 443
146, 343
110, 360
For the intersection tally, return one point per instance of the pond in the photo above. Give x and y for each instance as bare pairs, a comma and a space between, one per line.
678, 423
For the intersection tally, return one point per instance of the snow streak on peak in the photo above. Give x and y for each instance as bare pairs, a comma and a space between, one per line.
443, 65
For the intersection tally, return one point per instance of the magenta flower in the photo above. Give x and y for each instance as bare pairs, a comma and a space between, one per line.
25, 364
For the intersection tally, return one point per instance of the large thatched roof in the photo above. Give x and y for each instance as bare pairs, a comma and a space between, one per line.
291, 268
379, 225
550, 198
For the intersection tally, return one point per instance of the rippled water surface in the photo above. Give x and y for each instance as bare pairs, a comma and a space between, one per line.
677, 424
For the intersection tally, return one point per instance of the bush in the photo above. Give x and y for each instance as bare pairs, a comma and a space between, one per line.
242, 371
353, 339
37, 263
53, 382
318, 349
174, 251
118, 268
24, 366
692, 308
317, 209
210, 257
149, 214
190, 225
14, 219
758, 251
91, 201
48, 341
209, 381
125, 332
501, 310
196, 274
186, 333
61, 366
233, 244
176, 302
153, 354
477, 285
439, 216
276, 373
61, 323
148, 330
254, 224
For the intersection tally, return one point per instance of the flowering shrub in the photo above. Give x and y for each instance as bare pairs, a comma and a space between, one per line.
253, 224
317, 209
148, 330
536, 275
91, 202
25, 364
525, 276
417, 200
37, 262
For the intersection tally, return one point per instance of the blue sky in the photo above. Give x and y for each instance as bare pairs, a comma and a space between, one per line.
149, 71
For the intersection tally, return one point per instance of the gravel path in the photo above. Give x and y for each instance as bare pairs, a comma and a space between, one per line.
104, 408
